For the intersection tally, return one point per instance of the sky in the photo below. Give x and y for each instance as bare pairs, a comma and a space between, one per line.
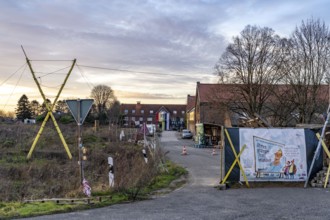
149, 51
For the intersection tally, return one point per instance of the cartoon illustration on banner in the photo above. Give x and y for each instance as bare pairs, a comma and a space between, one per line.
274, 154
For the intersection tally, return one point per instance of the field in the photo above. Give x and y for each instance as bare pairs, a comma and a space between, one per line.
51, 174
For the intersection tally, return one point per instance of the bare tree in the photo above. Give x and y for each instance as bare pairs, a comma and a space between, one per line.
103, 98
61, 106
309, 53
253, 62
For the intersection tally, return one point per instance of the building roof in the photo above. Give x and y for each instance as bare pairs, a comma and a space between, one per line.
191, 100
207, 92
210, 92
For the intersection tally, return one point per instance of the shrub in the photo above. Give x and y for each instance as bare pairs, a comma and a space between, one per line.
66, 119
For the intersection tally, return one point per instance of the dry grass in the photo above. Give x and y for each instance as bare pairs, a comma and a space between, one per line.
49, 173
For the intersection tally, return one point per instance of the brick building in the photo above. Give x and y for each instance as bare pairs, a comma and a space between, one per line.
165, 117
190, 113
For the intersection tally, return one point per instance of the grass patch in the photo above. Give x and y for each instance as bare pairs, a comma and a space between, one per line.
10, 210
16, 209
170, 173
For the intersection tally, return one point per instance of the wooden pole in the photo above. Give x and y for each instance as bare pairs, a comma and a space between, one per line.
49, 108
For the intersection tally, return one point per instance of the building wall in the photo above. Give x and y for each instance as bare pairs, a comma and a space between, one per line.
191, 121
137, 114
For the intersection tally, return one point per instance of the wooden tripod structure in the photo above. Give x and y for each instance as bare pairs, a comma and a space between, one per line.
49, 109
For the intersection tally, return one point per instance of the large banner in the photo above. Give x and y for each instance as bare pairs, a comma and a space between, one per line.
273, 154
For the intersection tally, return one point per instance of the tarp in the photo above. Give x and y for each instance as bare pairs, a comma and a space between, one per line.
264, 146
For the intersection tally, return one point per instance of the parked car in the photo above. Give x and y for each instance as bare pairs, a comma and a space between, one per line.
186, 133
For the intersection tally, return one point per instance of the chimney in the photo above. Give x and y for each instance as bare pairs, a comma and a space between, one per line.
138, 106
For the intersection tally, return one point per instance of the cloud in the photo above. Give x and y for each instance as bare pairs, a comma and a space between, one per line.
174, 37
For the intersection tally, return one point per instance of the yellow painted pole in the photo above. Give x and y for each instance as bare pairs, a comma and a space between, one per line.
64, 82
52, 116
328, 154
239, 164
232, 166
38, 136
49, 109
61, 136
323, 145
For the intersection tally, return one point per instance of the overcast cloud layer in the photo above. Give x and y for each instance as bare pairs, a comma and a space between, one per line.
176, 42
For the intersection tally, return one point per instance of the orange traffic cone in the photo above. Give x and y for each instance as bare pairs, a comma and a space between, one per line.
184, 151
213, 152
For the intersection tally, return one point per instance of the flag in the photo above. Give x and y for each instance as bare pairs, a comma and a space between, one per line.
86, 188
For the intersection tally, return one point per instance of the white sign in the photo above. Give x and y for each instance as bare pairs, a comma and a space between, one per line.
111, 172
122, 135
273, 154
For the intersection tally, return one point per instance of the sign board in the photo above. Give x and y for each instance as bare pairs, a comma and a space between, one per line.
79, 108
264, 150
270, 152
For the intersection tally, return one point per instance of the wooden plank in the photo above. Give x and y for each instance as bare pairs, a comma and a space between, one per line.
72, 200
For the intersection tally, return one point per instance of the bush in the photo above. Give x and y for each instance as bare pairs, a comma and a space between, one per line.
66, 119
40, 118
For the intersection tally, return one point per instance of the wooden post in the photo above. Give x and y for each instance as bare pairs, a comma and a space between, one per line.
222, 153
96, 125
